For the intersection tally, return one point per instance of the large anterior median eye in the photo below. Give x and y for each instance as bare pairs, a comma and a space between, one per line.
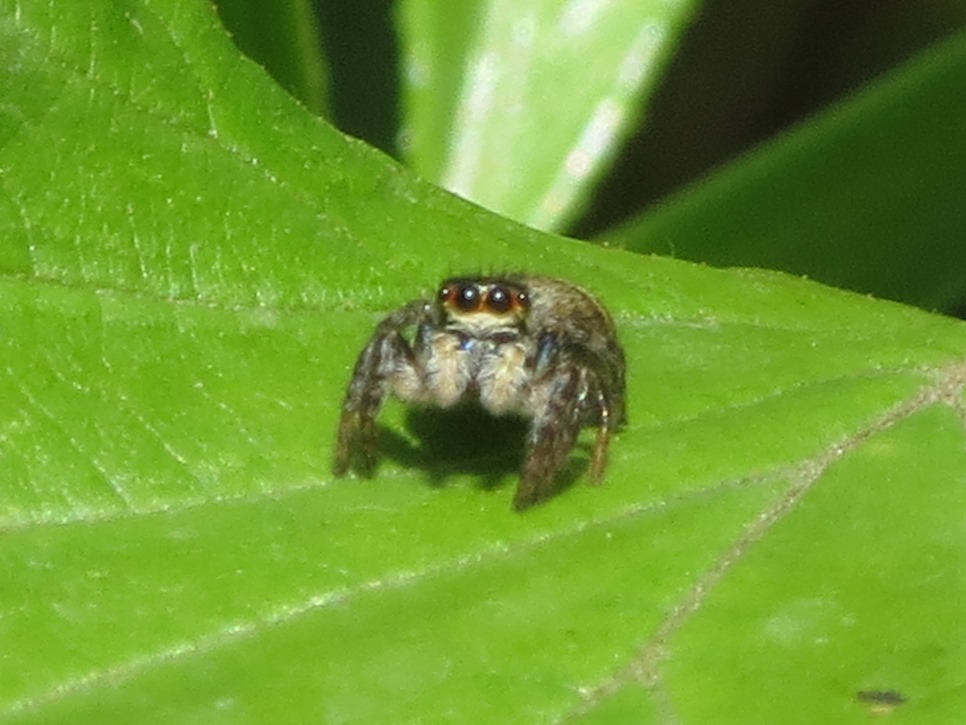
468, 298
460, 295
498, 299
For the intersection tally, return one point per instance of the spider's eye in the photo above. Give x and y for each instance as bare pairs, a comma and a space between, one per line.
498, 299
468, 298
523, 300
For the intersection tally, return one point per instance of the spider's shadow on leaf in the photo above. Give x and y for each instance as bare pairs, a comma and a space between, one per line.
466, 441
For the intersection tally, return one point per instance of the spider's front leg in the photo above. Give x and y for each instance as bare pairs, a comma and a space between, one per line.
574, 388
387, 356
553, 433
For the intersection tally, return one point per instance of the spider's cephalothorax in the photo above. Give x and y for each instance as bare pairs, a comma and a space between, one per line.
534, 346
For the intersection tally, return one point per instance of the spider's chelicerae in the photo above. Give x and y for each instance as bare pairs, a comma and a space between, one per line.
533, 346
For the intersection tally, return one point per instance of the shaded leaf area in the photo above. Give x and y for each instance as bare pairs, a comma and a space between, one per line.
518, 106
284, 38
191, 264
867, 196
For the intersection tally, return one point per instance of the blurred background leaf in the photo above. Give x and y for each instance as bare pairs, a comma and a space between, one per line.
867, 196
518, 106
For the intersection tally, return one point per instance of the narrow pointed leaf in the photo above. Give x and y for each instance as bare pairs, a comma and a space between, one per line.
519, 106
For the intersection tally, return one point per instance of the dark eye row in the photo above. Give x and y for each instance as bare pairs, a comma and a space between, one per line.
496, 298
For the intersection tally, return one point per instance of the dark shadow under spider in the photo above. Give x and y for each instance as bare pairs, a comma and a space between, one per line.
467, 440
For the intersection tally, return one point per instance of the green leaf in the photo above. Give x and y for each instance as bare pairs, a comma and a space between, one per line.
868, 196
190, 264
520, 106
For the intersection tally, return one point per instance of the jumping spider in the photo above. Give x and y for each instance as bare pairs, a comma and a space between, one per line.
534, 346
